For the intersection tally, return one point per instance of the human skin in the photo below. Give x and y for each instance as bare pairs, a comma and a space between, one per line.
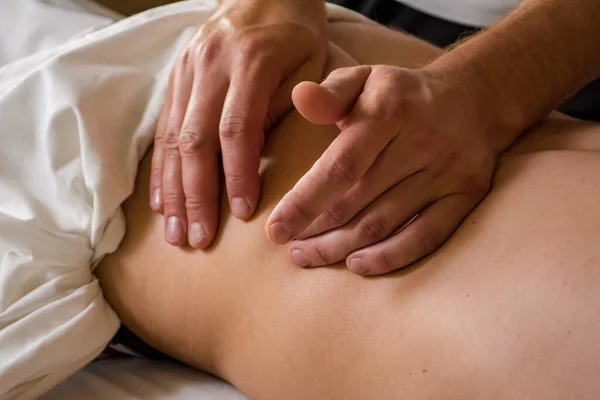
425, 142
508, 308
473, 102
229, 86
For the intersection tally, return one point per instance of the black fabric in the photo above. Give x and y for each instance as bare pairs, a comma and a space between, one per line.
437, 31
133, 343
585, 104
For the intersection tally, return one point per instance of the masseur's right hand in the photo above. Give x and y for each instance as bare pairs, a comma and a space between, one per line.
229, 86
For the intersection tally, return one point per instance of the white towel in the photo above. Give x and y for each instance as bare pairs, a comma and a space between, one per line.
75, 120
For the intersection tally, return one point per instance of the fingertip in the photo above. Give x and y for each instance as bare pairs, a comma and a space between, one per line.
299, 258
241, 208
303, 89
175, 231
199, 237
279, 232
357, 265
316, 103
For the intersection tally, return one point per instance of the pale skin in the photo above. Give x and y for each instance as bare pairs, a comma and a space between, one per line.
421, 143
508, 308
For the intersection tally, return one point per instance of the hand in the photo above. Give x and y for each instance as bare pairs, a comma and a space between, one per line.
231, 84
413, 158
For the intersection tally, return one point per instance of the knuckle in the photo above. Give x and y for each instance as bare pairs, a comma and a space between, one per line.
196, 203
254, 46
160, 136
232, 127
191, 141
301, 208
186, 56
381, 262
373, 228
171, 198
342, 170
324, 258
207, 51
338, 214
172, 151
388, 108
234, 180
168, 141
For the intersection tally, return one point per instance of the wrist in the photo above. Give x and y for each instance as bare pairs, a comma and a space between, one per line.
489, 103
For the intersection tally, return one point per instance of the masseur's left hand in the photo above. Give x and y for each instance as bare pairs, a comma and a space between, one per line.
230, 86
411, 161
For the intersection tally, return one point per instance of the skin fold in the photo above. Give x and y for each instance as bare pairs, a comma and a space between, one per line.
508, 308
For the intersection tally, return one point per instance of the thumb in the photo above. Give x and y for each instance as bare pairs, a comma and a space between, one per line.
334, 98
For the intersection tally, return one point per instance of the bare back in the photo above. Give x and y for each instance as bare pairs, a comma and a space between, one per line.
508, 308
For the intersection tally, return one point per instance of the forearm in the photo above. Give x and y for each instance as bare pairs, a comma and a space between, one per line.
532, 60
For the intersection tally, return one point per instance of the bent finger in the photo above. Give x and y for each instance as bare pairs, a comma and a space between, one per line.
393, 167
172, 185
334, 98
199, 149
337, 170
240, 132
374, 224
421, 237
158, 152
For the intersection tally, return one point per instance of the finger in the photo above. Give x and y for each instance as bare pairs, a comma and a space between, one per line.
374, 224
367, 131
334, 98
393, 165
337, 170
429, 230
199, 149
240, 131
173, 195
158, 154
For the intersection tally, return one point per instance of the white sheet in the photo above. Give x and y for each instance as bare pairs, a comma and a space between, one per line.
78, 106
29, 26
76, 119
127, 379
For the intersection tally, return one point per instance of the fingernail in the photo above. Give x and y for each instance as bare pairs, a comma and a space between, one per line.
240, 207
174, 230
357, 266
157, 198
299, 258
279, 233
197, 233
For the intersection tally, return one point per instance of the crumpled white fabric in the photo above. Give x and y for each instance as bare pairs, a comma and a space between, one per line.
75, 119
29, 26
